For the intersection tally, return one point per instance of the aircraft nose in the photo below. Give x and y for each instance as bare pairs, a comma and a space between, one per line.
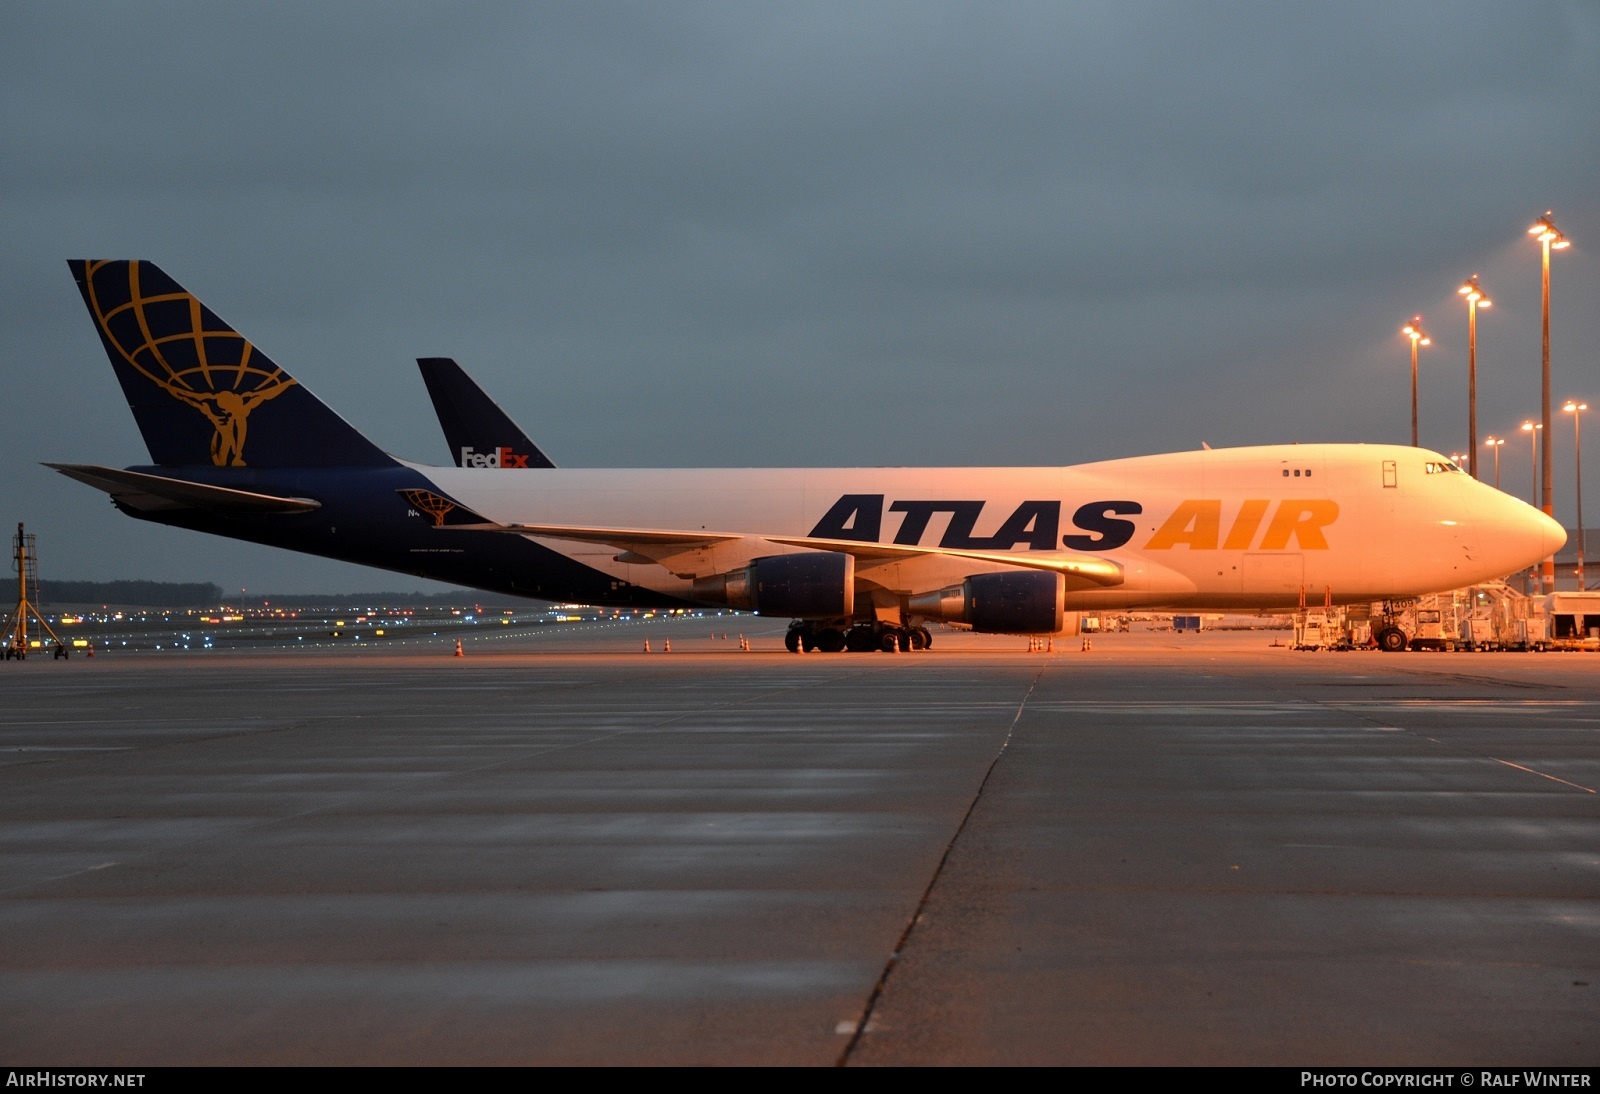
1527, 534
1554, 536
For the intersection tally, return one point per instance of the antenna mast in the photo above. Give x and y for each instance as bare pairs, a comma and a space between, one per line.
15, 636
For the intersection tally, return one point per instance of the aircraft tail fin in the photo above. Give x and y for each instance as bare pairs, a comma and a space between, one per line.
479, 433
200, 392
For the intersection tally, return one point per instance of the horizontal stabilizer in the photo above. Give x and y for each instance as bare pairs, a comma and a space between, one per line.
153, 493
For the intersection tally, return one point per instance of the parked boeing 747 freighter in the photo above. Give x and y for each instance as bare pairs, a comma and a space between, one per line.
858, 557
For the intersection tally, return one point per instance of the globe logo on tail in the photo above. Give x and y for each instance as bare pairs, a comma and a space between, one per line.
175, 342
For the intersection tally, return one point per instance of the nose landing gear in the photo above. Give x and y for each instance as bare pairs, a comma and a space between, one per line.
1391, 640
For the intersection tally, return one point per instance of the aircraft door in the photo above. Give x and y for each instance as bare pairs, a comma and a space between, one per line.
1275, 578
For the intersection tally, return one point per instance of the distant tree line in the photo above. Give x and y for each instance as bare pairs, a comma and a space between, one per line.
143, 594
457, 599
208, 594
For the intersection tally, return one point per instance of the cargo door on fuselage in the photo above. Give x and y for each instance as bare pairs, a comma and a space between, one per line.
1276, 578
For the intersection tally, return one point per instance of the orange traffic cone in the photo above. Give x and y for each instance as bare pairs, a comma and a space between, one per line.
459, 651
647, 645
666, 645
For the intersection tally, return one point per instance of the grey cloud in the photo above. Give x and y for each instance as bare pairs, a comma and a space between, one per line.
821, 233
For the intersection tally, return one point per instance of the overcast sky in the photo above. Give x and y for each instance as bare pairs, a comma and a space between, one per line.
697, 234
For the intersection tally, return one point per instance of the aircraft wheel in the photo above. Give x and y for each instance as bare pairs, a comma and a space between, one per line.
926, 635
861, 640
916, 638
890, 642
830, 640
1392, 640
791, 641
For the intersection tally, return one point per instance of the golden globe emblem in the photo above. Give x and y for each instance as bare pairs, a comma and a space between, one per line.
166, 338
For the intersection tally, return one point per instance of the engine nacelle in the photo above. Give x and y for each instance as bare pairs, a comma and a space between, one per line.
1017, 602
807, 585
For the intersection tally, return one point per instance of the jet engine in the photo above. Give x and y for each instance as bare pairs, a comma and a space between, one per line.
808, 585
1015, 602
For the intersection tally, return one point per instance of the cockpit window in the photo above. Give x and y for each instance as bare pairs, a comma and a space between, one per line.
1442, 467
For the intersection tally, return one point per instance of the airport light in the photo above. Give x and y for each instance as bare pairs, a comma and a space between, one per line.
1495, 443
1475, 300
1576, 409
1550, 238
1413, 330
1531, 428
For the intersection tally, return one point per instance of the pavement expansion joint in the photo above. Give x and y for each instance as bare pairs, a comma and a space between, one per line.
864, 1024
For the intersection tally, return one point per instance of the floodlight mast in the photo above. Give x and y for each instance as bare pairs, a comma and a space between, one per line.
1413, 330
1576, 409
1550, 238
1475, 300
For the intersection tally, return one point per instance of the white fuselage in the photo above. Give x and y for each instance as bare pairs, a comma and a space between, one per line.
1245, 528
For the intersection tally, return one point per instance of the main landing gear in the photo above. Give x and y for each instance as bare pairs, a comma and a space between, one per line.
829, 637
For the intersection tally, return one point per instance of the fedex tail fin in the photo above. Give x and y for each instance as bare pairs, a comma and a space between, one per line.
201, 393
479, 433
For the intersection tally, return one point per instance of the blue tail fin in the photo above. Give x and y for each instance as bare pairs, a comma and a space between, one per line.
479, 433
200, 392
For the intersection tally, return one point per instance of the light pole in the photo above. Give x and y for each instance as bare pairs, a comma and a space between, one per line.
1576, 409
1413, 330
1532, 428
1495, 443
1475, 300
1545, 230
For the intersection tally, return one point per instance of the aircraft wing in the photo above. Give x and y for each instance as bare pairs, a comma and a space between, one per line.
625, 538
687, 554
660, 545
154, 493
1093, 568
